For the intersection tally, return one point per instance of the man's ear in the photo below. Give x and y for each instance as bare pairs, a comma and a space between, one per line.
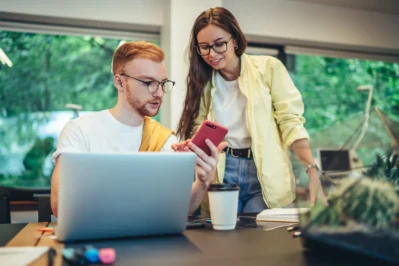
119, 83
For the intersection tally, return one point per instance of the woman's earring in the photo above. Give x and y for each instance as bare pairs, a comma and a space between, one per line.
236, 47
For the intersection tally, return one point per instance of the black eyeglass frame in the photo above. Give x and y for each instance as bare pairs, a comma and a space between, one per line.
148, 83
213, 47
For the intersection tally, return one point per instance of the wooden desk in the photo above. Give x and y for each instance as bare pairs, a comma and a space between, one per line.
243, 246
30, 236
194, 246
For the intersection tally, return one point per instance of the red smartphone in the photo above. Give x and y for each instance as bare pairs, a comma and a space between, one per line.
212, 131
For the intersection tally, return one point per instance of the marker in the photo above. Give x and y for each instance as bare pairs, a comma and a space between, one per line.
296, 234
46, 229
107, 255
74, 256
50, 256
208, 221
91, 254
68, 253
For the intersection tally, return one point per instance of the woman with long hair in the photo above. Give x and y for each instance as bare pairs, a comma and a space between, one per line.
255, 98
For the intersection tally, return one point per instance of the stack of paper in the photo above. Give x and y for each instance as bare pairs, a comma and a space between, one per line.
290, 215
20, 256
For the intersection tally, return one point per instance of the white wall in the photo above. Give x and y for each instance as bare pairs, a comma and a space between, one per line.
176, 29
128, 11
299, 22
284, 21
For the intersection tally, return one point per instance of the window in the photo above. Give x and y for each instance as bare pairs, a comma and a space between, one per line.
50, 76
335, 104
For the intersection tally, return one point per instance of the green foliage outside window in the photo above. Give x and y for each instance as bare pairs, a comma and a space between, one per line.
328, 87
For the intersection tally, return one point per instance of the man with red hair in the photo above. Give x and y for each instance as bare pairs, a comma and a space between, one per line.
141, 81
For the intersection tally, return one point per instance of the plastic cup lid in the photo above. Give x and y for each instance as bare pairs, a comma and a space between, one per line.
223, 187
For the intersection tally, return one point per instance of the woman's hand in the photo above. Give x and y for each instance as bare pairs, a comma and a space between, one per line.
181, 146
315, 189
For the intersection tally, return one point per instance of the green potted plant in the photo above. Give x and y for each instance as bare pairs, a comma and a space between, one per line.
362, 213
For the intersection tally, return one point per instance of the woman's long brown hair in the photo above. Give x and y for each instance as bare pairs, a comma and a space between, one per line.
200, 73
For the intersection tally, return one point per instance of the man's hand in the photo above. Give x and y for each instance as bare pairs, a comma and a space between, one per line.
206, 165
205, 168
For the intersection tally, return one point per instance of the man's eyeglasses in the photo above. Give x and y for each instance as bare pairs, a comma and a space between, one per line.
152, 86
218, 47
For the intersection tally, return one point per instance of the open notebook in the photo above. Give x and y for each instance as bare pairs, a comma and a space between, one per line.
281, 215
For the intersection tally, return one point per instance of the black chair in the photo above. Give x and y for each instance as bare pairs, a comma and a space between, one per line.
41, 196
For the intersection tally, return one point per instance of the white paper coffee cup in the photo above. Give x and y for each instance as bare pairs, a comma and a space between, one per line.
223, 203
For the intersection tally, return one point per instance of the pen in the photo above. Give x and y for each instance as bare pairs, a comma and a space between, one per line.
292, 228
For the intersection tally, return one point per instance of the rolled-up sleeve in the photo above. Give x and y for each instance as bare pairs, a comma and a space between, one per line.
288, 105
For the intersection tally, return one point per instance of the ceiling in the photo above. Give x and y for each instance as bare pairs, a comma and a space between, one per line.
384, 6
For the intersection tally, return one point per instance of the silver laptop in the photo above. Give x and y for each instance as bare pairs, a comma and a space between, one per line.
335, 162
120, 195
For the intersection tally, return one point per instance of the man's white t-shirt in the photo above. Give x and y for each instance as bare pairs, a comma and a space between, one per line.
100, 132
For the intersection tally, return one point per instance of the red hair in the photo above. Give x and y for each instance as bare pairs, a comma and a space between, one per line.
131, 50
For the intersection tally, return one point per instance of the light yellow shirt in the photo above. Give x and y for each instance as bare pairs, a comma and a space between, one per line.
274, 120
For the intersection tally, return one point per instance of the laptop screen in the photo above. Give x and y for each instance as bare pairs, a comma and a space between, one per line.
334, 160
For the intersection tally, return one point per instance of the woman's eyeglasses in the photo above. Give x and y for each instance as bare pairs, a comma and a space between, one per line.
218, 47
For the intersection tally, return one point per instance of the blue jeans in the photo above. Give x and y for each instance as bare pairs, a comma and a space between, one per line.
242, 171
